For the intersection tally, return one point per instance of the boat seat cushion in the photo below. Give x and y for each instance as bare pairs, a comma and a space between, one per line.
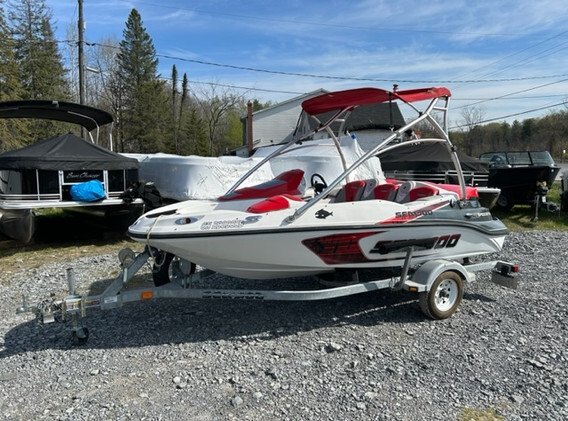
288, 182
273, 203
351, 191
414, 190
385, 191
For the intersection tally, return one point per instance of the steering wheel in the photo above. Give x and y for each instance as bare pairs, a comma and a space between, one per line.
318, 183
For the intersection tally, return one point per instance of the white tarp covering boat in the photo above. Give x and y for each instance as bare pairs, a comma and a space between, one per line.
197, 177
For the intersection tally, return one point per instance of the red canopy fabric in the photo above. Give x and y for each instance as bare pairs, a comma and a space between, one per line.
361, 96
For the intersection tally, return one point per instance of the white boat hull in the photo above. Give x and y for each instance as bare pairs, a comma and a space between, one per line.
267, 248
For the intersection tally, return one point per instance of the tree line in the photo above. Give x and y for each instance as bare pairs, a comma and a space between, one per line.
548, 133
153, 113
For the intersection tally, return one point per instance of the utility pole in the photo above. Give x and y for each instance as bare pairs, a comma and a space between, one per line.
81, 27
81, 55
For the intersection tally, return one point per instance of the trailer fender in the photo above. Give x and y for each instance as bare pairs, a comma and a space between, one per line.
426, 274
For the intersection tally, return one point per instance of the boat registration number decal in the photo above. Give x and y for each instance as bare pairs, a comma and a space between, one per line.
220, 225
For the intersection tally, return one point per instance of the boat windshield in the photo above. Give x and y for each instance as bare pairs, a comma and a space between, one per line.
524, 158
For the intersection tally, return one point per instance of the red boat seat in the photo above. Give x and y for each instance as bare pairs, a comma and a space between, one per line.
413, 190
422, 191
470, 192
286, 183
351, 191
383, 192
273, 203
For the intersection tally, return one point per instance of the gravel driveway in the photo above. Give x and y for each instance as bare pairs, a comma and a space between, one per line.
367, 357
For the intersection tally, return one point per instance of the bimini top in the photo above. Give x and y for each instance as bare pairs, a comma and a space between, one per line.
362, 96
69, 112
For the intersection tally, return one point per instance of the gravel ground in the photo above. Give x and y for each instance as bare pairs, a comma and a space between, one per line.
372, 356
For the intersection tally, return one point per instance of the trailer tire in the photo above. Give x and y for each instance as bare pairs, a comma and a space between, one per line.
504, 202
444, 296
168, 268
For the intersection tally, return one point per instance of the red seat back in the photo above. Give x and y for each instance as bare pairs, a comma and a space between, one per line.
351, 191
385, 191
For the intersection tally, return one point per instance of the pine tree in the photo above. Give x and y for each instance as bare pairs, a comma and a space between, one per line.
174, 109
195, 129
12, 131
42, 72
145, 101
10, 87
180, 139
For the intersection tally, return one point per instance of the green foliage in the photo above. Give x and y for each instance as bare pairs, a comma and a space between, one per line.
257, 105
30, 67
10, 85
145, 120
196, 137
42, 74
137, 57
546, 133
521, 217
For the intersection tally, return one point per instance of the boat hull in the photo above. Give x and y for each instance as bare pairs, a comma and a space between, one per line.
282, 253
519, 184
18, 224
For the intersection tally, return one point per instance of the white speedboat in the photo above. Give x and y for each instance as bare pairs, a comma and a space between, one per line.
301, 224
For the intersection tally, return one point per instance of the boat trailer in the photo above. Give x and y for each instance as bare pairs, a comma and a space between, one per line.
439, 284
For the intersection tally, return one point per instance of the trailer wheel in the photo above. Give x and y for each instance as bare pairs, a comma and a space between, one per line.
504, 202
168, 267
444, 297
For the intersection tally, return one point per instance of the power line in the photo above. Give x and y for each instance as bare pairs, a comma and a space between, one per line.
454, 99
513, 115
318, 76
512, 93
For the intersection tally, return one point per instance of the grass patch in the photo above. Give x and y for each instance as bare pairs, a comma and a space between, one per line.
520, 218
62, 236
470, 414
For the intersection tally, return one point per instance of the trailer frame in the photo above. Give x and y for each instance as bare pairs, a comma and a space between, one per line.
419, 279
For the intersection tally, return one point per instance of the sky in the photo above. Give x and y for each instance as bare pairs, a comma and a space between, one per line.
508, 59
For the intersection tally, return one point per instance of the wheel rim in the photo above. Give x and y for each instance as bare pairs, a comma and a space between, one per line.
502, 201
446, 294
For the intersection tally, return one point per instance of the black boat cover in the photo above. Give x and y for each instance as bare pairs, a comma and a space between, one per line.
427, 157
65, 152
